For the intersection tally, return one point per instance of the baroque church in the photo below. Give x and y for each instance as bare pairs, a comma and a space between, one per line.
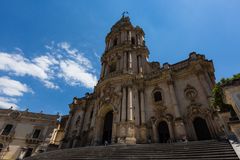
136, 101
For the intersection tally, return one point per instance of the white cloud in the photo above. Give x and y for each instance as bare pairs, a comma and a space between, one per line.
74, 67
12, 87
8, 102
61, 61
21, 66
9, 89
74, 74
96, 55
74, 53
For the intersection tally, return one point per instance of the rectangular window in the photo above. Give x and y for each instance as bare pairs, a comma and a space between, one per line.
36, 133
7, 129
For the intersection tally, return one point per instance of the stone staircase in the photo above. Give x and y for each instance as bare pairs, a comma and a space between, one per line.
210, 150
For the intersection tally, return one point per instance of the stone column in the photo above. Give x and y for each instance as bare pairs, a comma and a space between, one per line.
179, 125
130, 61
66, 129
155, 133
125, 61
130, 104
129, 36
103, 70
118, 63
114, 128
123, 118
143, 129
130, 139
140, 64
171, 132
142, 107
76, 140
174, 99
98, 130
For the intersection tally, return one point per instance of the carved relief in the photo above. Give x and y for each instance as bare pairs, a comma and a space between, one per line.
196, 109
190, 93
160, 109
110, 96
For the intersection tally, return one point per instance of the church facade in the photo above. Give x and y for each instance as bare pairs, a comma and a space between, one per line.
137, 101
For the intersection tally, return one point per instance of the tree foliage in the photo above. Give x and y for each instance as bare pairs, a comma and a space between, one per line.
218, 97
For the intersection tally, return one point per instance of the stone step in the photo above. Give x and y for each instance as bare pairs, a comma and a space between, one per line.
158, 151
192, 150
162, 151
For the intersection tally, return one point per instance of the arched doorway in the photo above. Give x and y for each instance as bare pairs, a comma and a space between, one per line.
107, 129
163, 132
201, 129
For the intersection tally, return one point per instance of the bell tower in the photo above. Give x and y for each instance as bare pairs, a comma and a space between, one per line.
123, 61
125, 51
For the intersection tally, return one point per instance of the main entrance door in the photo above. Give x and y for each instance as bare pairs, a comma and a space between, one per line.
163, 132
107, 129
201, 129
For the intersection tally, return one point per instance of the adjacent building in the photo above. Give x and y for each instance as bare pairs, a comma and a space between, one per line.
231, 92
24, 133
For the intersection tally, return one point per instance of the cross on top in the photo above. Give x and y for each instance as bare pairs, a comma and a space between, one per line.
124, 13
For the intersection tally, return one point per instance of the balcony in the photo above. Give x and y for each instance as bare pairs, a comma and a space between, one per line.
7, 138
31, 140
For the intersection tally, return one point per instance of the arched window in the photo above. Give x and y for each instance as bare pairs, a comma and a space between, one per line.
157, 96
112, 67
133, 40
115, 42
7, 129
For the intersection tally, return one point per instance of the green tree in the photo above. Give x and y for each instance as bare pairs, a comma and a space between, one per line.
218, 97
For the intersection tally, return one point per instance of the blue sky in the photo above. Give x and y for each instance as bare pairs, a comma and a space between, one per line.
50, 49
